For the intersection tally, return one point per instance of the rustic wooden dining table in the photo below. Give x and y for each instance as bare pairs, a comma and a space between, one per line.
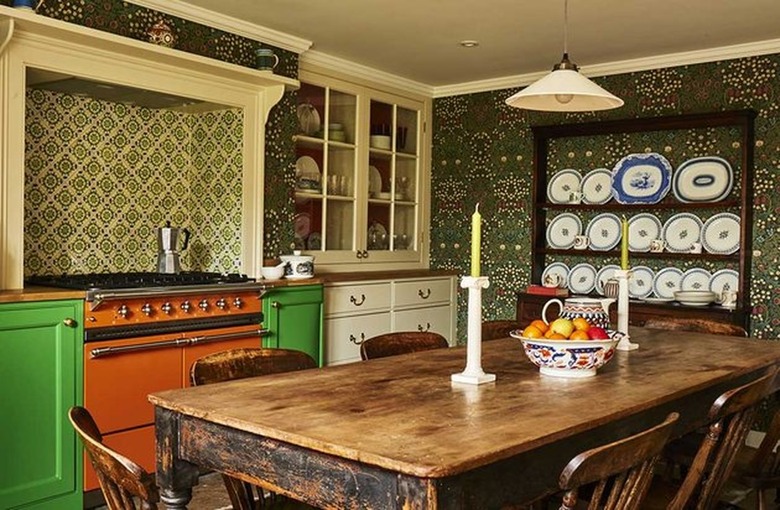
395, 433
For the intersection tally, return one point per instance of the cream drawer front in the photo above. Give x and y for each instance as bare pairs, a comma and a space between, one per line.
437, 319
421, 292
343, 336
354, 299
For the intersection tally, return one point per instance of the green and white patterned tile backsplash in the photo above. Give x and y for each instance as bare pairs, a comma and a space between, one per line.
101, 177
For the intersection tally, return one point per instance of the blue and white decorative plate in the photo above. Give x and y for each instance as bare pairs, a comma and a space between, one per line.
562, 230
596, 186
640, 285
557, 268
720, 234
643, 178
643, 228
563, 185
604, 274
696, 278
666, 282
603, 232
704, 179
724, 279
681, 231
582, 279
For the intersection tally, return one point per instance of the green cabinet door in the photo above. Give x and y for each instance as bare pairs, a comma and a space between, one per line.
40, 379
293, 316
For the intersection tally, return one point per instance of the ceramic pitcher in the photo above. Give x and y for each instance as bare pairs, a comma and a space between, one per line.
595, 311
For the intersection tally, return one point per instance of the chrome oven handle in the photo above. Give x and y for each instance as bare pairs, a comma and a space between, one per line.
124, 349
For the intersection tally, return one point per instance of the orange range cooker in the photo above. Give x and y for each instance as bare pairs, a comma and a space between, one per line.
143, 331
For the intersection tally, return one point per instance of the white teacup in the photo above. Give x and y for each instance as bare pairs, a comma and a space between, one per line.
575, 197
580, 242
728, 298
657, 245
552, 280
696, 248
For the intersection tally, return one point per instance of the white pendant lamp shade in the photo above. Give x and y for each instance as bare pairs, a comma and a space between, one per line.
564, 90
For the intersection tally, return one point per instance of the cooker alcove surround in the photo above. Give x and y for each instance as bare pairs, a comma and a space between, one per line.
30, 41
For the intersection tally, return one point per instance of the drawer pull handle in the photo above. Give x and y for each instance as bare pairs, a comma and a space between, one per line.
427, 328
356, 341
354, 301
422, 294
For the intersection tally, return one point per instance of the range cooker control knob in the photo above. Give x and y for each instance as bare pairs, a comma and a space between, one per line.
221, 303
203, 305
122, 311
166, 308
186, 307
238, 303
146, 309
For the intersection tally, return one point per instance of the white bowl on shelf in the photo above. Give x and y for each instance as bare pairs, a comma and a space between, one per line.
384, 195
695, 297
380, 141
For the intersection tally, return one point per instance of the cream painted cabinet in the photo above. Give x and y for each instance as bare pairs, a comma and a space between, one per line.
362, 175
356, 311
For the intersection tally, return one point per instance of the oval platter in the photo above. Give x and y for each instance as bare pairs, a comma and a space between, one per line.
643, 178
703, 179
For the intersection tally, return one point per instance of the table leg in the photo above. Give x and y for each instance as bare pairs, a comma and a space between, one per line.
175, 477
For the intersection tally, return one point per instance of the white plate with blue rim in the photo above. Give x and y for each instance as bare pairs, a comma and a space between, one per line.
696, 278
563, 185
667, 281
603, 275
703, 179
723, 280
720, 234
604, 232
643, 178
596, 186
640, 284
557, 268
562, 230
582, 279
681, 231
643, 228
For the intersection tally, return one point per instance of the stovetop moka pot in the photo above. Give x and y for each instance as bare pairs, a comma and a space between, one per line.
167, 243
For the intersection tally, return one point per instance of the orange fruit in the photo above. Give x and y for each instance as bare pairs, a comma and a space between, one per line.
556, 336
532, 332
540, 324
549, 333
579, 335
581, 324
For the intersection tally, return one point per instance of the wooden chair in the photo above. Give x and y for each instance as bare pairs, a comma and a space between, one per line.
696, 326
402, 342
120, 478
239, 364
711, 462
620, 472
495, 329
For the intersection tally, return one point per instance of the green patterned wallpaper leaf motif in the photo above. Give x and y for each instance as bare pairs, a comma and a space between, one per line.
482, 152
101, 177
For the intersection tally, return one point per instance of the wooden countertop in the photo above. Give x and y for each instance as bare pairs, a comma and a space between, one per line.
36, 293
403, 414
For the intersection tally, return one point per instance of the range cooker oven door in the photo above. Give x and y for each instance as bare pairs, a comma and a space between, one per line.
119, 374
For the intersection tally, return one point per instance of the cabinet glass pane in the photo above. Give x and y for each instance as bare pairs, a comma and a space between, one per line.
406, 179
406, 130
378, 224
404, 231
340, 233
342, 117
308, 167
381, 125
311, 110
308, 222
341, 172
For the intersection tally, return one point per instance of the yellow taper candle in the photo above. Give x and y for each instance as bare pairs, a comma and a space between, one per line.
476, 240
624, 245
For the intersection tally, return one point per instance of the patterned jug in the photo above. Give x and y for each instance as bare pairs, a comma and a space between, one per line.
595, 311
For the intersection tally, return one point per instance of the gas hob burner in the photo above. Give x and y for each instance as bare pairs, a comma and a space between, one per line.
135, 280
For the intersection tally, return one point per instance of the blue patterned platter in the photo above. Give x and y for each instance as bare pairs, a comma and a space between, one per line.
643, 178
704, 179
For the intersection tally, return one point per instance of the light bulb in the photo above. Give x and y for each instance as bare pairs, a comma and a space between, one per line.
564, 98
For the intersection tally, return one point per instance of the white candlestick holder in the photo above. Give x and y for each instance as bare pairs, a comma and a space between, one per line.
622, 276
473, 374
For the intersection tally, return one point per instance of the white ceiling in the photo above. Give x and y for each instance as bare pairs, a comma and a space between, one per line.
418, 39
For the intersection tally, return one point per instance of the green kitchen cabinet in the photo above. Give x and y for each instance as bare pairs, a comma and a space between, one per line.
293, 317
41, 378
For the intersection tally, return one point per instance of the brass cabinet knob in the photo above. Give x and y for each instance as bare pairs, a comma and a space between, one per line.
71, 323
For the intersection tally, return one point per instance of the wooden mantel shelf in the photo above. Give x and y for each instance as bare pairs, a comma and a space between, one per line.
24, 23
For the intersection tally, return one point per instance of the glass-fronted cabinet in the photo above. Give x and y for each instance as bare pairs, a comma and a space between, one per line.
361, 174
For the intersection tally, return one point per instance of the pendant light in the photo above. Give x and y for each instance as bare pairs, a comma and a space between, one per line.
564, 89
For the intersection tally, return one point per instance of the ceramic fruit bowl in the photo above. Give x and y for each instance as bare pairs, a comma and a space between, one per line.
695, 297
273, 272
568, 358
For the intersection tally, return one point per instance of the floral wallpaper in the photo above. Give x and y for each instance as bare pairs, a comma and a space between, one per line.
483, 153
